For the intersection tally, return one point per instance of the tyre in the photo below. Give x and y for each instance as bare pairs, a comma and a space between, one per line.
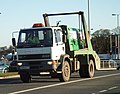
83, 71
91, 69
26, 78
87, 71
65, 75
118, 68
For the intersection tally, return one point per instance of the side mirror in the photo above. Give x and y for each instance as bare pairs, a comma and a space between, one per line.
13, 42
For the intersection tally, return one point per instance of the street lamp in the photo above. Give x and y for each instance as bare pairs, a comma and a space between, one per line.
117, 19
89, 16
117, 15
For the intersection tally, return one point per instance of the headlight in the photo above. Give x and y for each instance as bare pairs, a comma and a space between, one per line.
53, 62
50, 63
19, 64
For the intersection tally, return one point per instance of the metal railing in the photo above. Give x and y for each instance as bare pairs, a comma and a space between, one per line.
108, 64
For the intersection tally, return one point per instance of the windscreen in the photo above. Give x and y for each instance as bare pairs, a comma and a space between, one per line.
35, 38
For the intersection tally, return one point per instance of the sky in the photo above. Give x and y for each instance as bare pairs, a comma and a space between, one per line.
19, 14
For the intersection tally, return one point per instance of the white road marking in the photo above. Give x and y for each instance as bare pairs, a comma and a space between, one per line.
103, 91
113, 88
64, 83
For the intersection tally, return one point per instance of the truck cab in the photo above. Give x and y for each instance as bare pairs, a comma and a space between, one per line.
38, 56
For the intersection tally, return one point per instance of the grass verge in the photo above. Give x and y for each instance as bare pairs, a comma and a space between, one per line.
8, 74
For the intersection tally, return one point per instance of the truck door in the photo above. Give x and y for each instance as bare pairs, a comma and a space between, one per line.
59, 47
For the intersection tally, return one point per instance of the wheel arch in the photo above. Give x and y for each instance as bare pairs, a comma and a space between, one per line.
62, 59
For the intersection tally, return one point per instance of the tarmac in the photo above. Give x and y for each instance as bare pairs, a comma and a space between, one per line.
18, 76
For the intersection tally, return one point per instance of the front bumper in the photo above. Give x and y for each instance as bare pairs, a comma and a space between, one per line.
37, 68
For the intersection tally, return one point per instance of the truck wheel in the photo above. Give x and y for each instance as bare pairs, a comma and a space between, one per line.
26, 78
65, 75
91, 69
87, 71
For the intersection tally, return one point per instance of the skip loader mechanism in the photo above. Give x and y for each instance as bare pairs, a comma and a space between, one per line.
60, 50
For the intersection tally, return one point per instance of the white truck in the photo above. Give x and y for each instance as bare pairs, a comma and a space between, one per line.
59, 51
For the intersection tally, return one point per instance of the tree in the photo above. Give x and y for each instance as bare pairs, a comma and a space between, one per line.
6, 50
101, 41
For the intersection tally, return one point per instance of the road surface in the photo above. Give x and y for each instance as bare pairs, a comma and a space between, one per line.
104, 82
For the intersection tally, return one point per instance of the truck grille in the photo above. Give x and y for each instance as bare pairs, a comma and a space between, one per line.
38, 56
37, 67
